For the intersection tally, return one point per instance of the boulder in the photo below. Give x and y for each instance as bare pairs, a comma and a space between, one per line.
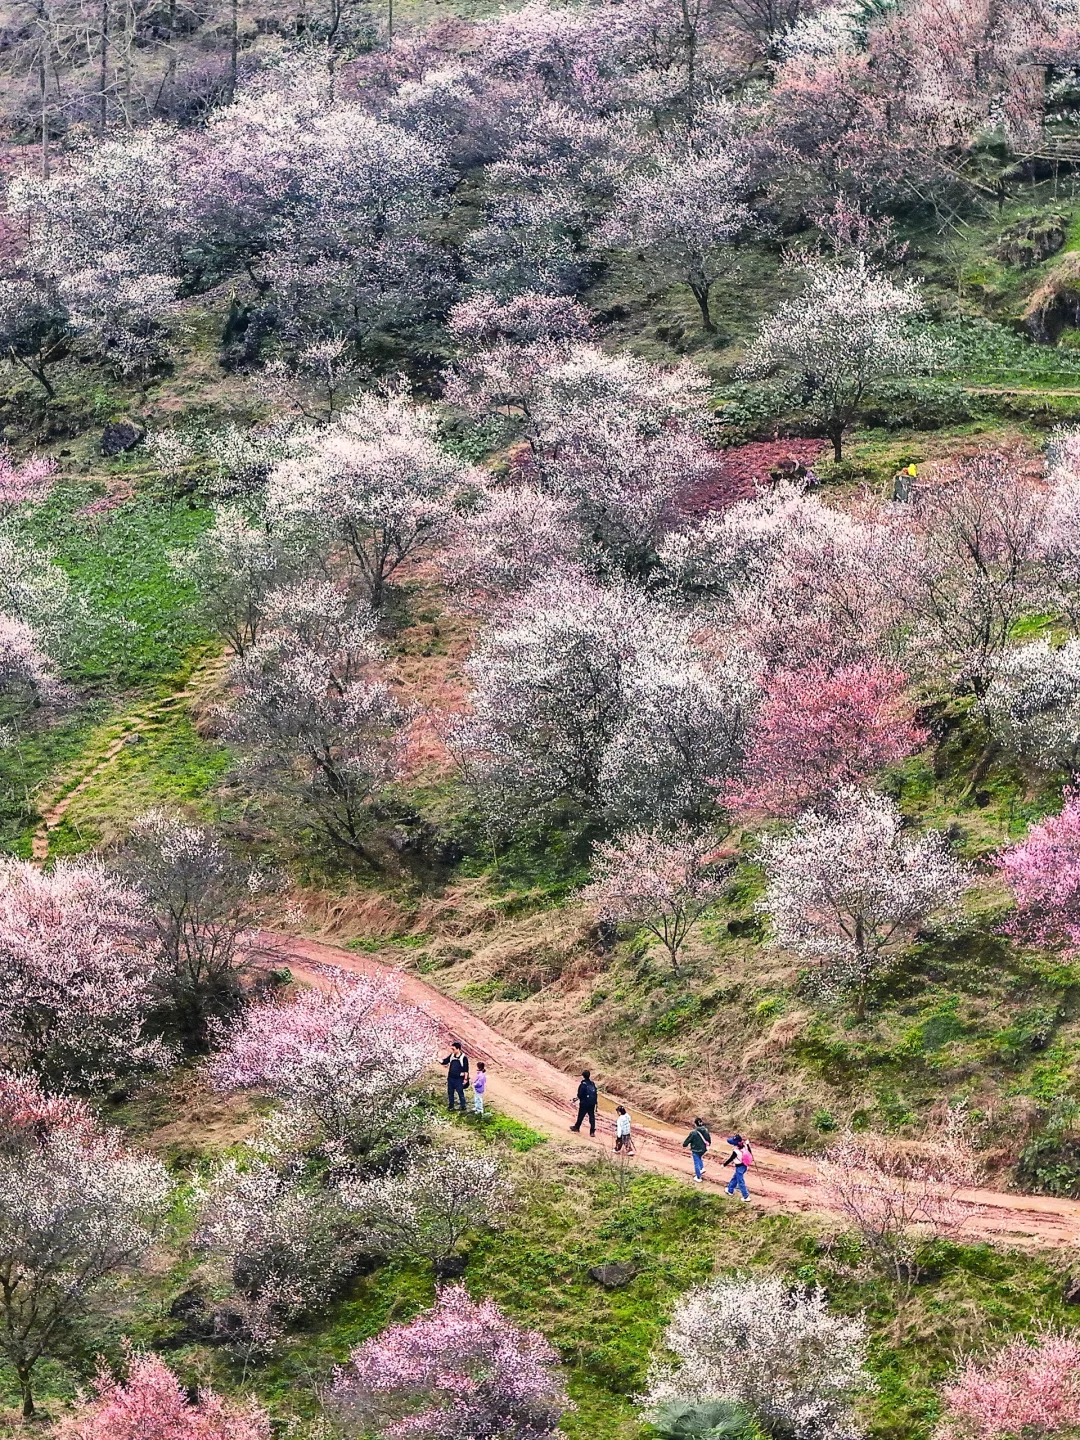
1071, 1292
611, 1276
120, 435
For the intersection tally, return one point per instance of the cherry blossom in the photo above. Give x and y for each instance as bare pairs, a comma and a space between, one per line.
460, 1371
1043, 872
1026, 1387
149, 1403
341, 1061
771, 1347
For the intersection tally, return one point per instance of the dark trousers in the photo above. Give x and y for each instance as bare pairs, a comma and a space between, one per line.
455, 1087
584, 1110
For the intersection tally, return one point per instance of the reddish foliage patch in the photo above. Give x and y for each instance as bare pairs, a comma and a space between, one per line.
738, 472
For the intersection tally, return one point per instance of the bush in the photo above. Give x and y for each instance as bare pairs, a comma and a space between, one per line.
1049, 1164
915, 405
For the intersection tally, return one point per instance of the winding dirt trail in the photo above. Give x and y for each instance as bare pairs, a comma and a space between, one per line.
531, 1090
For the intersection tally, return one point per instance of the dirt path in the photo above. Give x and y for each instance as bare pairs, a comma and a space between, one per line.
531, 1090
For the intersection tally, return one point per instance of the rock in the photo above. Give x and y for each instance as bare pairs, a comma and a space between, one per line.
120, 435
619, 1272
452, 1268
1071, 1293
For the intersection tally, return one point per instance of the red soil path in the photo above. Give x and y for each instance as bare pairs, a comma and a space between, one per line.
531, 1090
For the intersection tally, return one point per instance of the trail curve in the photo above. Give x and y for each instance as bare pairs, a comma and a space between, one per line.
536, 1092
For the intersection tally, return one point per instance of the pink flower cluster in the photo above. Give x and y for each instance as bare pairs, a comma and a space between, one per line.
150, 1404
1028, 1387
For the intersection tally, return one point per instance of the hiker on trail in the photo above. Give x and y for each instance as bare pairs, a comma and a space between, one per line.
742, 1156
698, 1142
457, 1076
586, 1103
622, 1131
478, 1088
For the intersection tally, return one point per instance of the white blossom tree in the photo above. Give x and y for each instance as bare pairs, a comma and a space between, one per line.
1033, 702
771, 1347
76, 1206
427, 1210
288, 1243
846, 889
849, 328
663, 883
377, 481
512, 539
313, 721
684, 214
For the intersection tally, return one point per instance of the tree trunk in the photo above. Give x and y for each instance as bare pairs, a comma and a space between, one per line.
836, 435
104, 88
701, 295
26, 1390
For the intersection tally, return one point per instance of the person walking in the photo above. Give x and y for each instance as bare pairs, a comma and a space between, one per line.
698, 1142
479, 1085
623, 1141
742, 1156
457, 1075
586, 1103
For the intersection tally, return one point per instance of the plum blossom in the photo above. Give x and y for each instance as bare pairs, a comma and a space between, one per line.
1043, 872
341, 1062
1033, 701
460, 1371
1026, 1387
149, 1403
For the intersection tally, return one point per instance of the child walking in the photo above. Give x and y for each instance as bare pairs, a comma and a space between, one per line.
622, 1131
479, 1086
742, 1156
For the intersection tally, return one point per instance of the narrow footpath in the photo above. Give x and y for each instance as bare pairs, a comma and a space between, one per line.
540, 1095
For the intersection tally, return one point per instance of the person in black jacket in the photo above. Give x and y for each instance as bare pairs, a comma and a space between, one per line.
457, 1076
586, 1103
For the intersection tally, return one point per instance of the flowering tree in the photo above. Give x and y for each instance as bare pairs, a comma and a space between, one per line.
898, 1195
683, 215
289, 1244
1027, 1387
1043, 872
772, 1348
236, 566
75, 1207
846, 889
1033, 701
27, 675
817, 729
341, 1061
510, 541
460, 1371
149, 1403
312, 720
377, 480
25, 484
598, 697
76, 973
847, 329
199, 900
427, 1210
978, 566
659, 883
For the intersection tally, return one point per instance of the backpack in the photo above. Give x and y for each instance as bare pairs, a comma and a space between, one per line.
746, 1156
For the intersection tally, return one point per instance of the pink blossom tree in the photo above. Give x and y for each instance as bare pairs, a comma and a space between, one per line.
25, 484
1027, 1387
76, 1206
460, 1371
76, 971
27, 674
1043, 872
662, 883
846, 887
817, 729
341, 1062
149, 1403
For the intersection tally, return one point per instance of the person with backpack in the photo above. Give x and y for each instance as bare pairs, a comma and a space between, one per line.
457, 1075
586, 1102
698, 1142
743, 1156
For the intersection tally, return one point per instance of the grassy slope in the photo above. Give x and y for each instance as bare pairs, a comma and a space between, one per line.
568, 1219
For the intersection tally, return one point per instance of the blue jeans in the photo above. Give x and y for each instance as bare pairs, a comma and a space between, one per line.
738, 1182
699, 1164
